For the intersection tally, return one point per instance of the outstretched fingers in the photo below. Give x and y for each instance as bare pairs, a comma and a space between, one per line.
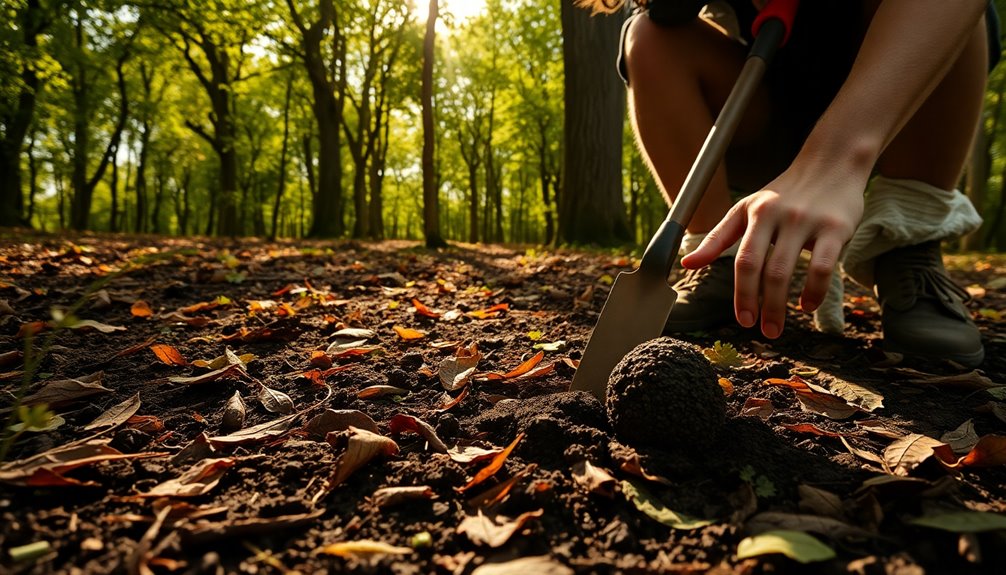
823, 261
721, 237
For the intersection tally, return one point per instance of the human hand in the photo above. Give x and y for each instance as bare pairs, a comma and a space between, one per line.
798, 210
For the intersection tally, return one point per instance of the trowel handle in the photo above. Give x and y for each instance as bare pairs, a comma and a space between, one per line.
771, 30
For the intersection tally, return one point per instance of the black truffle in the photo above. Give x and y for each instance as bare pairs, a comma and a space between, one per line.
665, 393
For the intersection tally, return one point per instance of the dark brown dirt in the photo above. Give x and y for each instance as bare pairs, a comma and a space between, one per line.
275, 508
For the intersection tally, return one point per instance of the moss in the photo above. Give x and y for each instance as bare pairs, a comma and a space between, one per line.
665, 393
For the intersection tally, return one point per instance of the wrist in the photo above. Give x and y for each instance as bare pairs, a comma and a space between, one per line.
855, 156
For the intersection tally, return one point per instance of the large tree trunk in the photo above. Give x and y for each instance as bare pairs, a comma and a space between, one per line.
431, 192
591, 209
281, 187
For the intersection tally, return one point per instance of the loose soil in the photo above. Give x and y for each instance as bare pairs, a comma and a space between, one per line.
276, 501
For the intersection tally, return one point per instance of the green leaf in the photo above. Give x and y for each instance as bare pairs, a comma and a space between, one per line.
723, 355
655, 509
963, 521
998, 392
796, 545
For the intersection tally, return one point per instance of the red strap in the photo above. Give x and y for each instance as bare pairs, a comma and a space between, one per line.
784, 10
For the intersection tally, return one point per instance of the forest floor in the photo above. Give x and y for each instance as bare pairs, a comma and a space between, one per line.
244, 406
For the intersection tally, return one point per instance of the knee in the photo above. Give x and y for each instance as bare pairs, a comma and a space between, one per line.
655, 52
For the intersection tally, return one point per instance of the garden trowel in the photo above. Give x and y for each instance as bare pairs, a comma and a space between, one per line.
640, 301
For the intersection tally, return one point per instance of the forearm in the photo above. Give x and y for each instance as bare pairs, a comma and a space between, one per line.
908, 47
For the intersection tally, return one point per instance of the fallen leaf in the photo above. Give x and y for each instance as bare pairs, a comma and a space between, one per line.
972, 380
421, 309
907, 453
859, 395
376, 391
234, 413
963, 521
877, 427
962, 439
196, 322
320, 359
830, 406
820, 502
862, 453
727, 386
757, 407
225, 360
495, 495
489, 312
466, 454
538, 565
594, 479
723, 355
451, 402
47, 468
95, 325
196, 480
361, 447
355, 351
275, 401
141, 308
656, 510
228, 372
402, 422
517, 371
551, 346
631, 463
796, 545
827, 526
145, 423
203, 532
455, 372
339, 420
391, 496
364, 547
989, 451
795, 383
12, 357
64, 391
540, 371
408, 334
495, 465
494, 530
168, 354
31, 329
116, 415
260, 432
809, 428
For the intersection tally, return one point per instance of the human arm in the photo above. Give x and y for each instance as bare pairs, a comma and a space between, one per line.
817, 202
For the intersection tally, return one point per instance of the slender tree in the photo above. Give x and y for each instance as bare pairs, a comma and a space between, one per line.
431, 192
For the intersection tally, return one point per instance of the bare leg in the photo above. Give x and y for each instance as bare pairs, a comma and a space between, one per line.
933, 146
679, 78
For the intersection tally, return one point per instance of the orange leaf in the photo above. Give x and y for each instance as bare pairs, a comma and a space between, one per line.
168, 354
30, 329
408, 334
320, 359
758, 407
141, 308
794, 383
990, 450
495, 465
810, 428
456, 400
489, 311
526, 366
423, 310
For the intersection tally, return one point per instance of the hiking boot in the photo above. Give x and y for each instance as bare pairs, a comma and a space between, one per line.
923, 312
705, 298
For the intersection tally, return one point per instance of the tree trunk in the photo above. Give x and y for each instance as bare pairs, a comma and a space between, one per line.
281, 187
591, 209
431, 193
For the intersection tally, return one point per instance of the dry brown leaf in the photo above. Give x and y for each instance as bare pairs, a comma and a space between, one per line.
495, 465
204, 532
631, 463
275, 401
408, 334
254, 434
962, 439
521, 369
538, 565
757, 407
145, 423
96, 325
452, 402
47, 468
830, 406
116, 415
828, 526
455, 372
64, 391
809, 428
168, 354
862, 453
989, 451
234, 371
391, 496
820, 502
234, 413
594, 479
376, 391
196, 480
141, 308
860, 395
320, 359
907, 453
877, 427
363, 547
495, 495
402, 422
972, 380
466, 454
540, 371
355, 351
361, 447
496, 530
339, 420
197, 322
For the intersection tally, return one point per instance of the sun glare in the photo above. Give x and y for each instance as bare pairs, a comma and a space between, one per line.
460, 9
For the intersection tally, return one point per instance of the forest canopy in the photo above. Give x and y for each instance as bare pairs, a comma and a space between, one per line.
297, 118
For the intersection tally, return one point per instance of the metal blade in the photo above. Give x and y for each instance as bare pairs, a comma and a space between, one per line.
636, 311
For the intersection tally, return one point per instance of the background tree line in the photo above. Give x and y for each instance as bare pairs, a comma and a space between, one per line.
296, 118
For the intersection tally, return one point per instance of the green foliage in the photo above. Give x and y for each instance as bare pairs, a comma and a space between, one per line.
723, 355
762, 486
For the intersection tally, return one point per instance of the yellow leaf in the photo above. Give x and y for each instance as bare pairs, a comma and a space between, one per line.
408, 334
727, 385
141, 309
366, 547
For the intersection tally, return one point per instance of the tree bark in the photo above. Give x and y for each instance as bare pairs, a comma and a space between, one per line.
591, 209
431, 192
281, 187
